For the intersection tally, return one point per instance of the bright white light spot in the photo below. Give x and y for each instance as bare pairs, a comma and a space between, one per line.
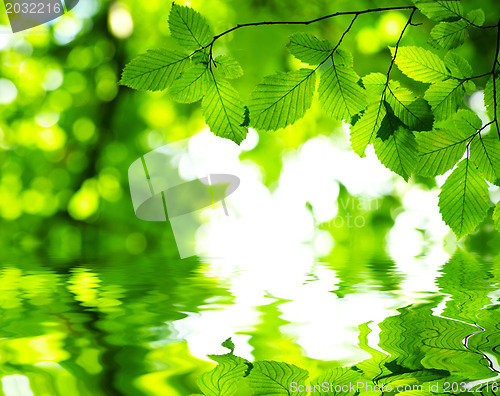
5, 35
476, 103
120, 21
47, 119
66, 29
24, 47
271, 245
16, 385
8, 91
53, 80
86, 9
250, 141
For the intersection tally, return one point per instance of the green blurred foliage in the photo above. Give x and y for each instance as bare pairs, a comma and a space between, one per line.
68, 132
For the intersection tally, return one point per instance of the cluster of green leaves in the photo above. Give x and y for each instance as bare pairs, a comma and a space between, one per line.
418, 347
192, 76
457, 138
268, 377
411, 135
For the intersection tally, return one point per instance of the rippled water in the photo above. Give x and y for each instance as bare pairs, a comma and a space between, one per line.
144, 326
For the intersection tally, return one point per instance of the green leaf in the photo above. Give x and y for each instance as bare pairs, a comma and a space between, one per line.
374, 84
469, 87
464, 201
390, 124
449, 35
496, 216
223, 110
155, 70
191, 85
440, 10
445, 97
365, 130
228, 67
457, 65
229, 344
188, 27
223, 379
414, 112
440, 149
281, 99
485, 153
398, 153
339, 376
309, 49
420, 64
274, 378
343, 58
339, 92
476, 17
489, 99
465, 121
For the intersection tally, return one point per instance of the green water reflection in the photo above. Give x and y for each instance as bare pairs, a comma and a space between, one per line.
81, 328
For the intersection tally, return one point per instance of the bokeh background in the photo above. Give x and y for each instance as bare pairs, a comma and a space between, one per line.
94, 301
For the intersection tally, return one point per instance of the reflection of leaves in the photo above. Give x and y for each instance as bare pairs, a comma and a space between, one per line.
343, 376
465, 279
418, 342
223, 379
274, 378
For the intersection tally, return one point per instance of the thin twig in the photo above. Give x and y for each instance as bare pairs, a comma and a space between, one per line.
356, 13
346, 31
408, 23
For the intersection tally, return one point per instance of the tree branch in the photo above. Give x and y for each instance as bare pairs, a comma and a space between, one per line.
408, 23
355, 13
346, 31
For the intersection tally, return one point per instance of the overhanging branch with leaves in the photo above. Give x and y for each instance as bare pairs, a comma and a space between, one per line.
427, 135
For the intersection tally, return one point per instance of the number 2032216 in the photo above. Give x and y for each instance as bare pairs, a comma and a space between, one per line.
33, 8
456, 387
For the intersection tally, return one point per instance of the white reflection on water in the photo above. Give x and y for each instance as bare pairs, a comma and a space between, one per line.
271, 247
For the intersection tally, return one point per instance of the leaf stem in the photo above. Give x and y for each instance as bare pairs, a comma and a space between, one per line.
408, 23
346, 31
384, 92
